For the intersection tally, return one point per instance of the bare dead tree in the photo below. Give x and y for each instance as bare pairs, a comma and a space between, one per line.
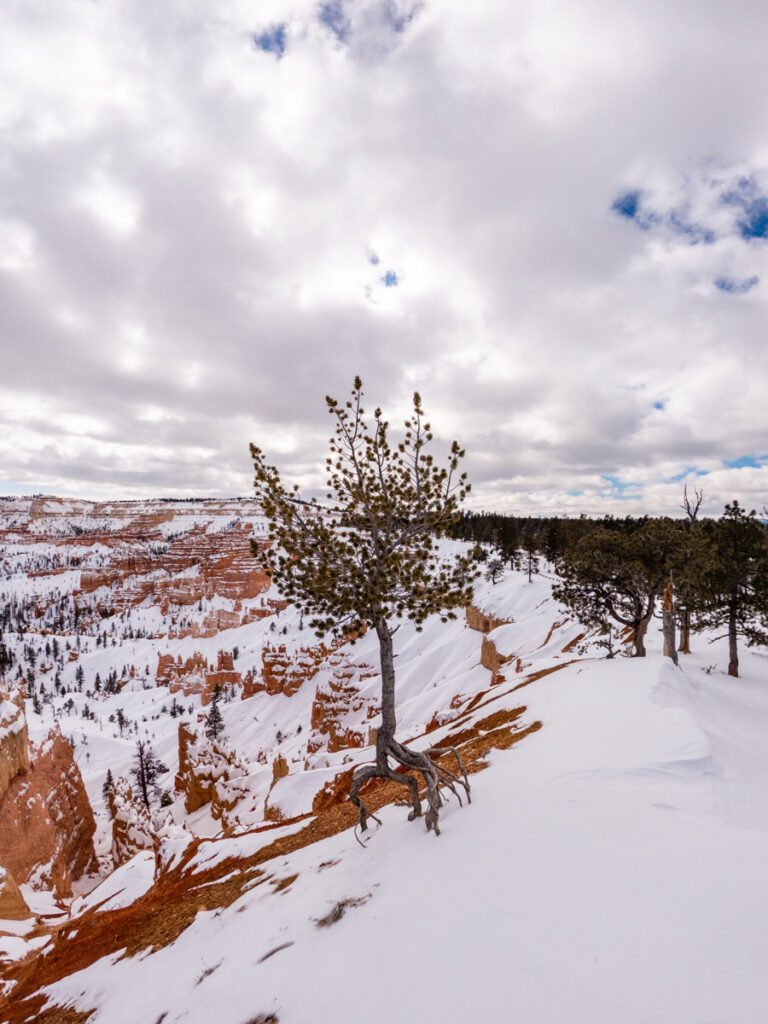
691, 508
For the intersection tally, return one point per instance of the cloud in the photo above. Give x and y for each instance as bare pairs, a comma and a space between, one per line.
204, 212
332, 15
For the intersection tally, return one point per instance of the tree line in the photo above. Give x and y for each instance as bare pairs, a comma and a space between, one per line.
698, 573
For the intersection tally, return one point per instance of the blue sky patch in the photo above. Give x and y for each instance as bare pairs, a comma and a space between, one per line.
271, 40
332, 15
728, 284
628, 204
390, 279
756, 223
744, 194
658, 405
686, 472
745, 460
374, 259
633, 206
753, 203
621, 491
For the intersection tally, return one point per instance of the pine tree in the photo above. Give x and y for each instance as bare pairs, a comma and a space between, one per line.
530, 560
214, 723
613, 574
369, 557
494, 569
108, 784
146, 770
732, 582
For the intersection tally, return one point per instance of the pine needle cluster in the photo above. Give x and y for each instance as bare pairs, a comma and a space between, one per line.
370, 551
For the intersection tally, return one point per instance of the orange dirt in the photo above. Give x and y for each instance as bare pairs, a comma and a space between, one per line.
572, 643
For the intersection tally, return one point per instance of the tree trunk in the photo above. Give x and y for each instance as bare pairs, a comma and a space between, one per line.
733, 660
388, 719
642, 625
142, 777
426, 762
685, 632
668, 620
639, 638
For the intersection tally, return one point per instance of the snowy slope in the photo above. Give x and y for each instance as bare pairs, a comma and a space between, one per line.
611, 868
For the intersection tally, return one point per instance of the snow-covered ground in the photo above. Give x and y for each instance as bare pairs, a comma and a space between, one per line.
611, 868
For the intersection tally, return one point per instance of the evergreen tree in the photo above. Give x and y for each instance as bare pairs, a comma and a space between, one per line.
369, 558
108, 784
732, 581
6, 657
530, 561
494, 569
613, 574
146, 770
214, 723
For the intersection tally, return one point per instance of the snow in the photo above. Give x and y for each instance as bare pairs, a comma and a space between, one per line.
611, 868
13, 947
122, 887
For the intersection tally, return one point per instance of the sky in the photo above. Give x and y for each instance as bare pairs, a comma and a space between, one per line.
550, 219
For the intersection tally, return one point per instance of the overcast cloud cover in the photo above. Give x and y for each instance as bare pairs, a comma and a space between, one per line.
551, 219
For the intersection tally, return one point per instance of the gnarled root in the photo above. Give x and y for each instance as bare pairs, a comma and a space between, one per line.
433, 775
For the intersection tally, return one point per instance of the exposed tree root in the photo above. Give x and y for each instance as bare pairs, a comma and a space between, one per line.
433, 775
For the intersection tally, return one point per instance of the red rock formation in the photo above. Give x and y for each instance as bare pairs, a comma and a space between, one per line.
225, 675
483, 622
279, 768
46, 822
222, 561
336, 720
204, 767
285, 672
139, 553
195, 675
14, 755
12, 905
490, 657
132, 828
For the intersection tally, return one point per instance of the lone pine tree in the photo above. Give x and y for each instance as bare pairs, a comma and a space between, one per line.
214, 723
369, 557
147, 767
